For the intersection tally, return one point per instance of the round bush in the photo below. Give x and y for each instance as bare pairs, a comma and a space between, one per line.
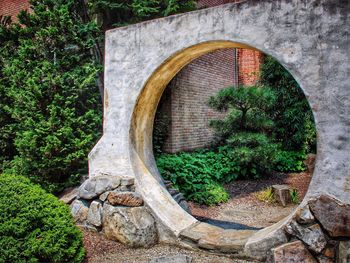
34, 225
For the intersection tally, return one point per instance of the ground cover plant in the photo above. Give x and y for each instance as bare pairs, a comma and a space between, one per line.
34, 225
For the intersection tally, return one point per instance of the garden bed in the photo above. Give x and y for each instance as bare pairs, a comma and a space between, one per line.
244, 207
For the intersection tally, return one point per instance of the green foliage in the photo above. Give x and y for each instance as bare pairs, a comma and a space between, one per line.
49, 97
266, 195
293, 119
294, 195
211, 194
123, 12
160, 131
197, 174
35, 226
289, 161
246, 127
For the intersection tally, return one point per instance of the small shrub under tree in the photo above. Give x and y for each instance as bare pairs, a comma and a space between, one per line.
34, 225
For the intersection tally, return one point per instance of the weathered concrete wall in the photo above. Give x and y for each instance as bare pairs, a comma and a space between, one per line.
310, 38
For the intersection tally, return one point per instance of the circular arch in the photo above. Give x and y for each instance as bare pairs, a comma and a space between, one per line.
307, 38
141, 132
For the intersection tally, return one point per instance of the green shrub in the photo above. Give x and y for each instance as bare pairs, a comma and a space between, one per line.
211, 194
48, 79
289, 161
198, 174
246, 128
34, 225
293, 120
294, 195
266, 195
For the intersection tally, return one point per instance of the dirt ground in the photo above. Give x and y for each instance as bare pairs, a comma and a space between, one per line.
243, 208
101, 250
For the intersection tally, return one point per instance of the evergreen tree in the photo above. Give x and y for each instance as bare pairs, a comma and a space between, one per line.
48, 88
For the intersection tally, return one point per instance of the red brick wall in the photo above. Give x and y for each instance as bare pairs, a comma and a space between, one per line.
187, 97
12, 7
249, 62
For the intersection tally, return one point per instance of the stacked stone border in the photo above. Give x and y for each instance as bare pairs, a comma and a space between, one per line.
310, 38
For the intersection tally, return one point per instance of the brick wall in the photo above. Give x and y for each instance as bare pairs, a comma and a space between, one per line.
185, 100
249, 62
12, 7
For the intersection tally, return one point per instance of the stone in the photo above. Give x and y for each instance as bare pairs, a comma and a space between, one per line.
95, 186
180, 199
312, 235
94, 216
79, 210
329, 252
310, 162
324, 259
304, 216
227, 241
132, 226
343, 252
127, 181
125, 198
200, 230
282, 194
293, 252
69, 195
259, 245
333, 215
173, 191
103, 197
173, 259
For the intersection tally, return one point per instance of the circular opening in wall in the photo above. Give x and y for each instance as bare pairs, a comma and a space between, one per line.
235, 140
243, 166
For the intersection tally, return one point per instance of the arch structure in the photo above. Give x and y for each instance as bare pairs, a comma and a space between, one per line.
309, 38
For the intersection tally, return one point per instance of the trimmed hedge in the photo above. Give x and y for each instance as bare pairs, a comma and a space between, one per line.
34, 225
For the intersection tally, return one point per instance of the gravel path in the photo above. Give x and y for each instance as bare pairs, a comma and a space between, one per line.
101, 250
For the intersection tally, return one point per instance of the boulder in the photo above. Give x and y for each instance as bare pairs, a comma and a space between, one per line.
130, 199
103, 197
69, 195
94, 216
292, 253
95, 186
343, 252
132, 226
312, 236
282, 194
333, 215
172, 259
259, 246
304, 216
127, 181
310, 162
79, 210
